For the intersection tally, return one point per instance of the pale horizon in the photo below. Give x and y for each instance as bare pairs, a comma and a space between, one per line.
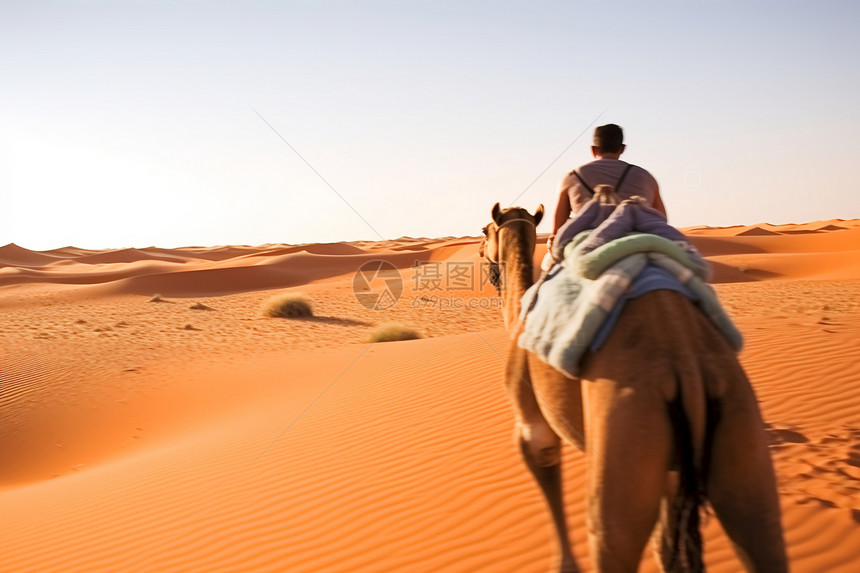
143, 125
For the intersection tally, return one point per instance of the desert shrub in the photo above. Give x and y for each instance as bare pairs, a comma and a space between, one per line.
293, 305
392, 332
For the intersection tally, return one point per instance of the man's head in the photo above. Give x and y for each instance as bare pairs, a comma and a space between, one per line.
608, 141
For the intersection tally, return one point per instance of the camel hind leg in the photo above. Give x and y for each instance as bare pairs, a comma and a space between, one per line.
741, 482
630, 448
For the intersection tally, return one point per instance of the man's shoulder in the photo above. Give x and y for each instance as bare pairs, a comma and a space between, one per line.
642, 171
590, 165
606, 168
609, 170
621, 165
601, 167
638, 167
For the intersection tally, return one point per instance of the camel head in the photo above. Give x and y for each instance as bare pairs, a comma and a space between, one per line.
509, 227
509, 239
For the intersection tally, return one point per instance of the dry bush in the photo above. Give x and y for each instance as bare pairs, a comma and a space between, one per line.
392, 332
293, 305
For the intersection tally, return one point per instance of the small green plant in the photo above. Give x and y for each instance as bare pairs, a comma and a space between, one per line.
392, 332
293, 305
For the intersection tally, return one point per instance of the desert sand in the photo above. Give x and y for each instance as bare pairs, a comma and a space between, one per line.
195, 434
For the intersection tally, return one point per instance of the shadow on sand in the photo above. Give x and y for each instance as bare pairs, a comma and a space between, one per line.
332, 320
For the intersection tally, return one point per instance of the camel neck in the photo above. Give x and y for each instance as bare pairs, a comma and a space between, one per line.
518, 276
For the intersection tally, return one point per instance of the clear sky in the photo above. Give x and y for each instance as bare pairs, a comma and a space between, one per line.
138, 123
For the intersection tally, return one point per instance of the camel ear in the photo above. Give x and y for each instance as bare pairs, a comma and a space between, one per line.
497, 214
539, 215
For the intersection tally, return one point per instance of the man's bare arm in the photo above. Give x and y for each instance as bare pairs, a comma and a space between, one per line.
562, 210
658, 203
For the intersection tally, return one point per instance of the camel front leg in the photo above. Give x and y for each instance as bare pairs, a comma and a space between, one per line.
541, 450
544, 462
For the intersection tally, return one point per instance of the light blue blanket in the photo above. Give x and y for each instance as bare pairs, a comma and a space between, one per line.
565, 310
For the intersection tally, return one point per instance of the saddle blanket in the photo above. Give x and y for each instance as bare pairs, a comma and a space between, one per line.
574, 306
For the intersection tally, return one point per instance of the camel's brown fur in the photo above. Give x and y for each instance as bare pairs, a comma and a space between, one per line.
665, 414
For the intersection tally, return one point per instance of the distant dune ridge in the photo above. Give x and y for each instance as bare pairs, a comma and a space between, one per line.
156, 437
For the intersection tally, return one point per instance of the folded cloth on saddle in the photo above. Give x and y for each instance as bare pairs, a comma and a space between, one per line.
593, 261
566, 313
611, 222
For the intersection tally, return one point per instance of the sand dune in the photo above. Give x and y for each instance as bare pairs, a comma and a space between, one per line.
131, 442
784, 253
129, 256
12, 255
756, 231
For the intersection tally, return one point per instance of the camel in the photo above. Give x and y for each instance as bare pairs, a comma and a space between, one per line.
665, 415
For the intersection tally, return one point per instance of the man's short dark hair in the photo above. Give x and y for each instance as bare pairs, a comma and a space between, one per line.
609, 138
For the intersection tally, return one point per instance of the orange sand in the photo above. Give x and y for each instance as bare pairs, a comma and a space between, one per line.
150, 436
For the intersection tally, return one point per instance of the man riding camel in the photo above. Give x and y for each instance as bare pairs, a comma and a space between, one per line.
577, 188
